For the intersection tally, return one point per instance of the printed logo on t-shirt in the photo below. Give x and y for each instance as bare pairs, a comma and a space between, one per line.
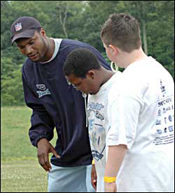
96, 108
165, 119
42, 90
162, 87
97, 132
97, 137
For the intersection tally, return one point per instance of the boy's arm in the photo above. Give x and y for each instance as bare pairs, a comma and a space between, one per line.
115, 158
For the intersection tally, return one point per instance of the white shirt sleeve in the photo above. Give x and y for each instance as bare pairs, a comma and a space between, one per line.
123, 115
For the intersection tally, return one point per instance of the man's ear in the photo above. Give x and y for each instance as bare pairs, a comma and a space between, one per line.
42, 32
114, 49
91, 74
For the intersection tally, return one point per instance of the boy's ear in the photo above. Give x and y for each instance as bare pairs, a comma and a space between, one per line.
90, 74
114, 49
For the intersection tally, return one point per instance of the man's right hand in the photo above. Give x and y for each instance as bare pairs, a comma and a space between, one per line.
94, 177
44, 148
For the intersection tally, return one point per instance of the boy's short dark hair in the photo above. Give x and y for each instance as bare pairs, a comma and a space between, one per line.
79, 62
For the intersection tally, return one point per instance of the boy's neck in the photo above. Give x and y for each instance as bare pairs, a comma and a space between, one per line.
106, 75
134, 56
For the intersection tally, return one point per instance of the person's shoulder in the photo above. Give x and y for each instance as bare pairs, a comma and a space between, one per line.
27, 65
27, 62
116, 85
118, 73
117, 76
75, 43
69, 45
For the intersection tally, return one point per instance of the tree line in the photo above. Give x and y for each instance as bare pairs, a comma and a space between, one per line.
82, 20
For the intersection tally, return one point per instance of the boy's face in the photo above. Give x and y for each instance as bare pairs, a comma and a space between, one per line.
87, 85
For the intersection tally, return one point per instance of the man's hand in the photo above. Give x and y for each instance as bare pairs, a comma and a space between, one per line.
94, 177
44, 148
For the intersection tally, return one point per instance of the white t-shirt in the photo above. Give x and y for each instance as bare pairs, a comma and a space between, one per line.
98, 124
142, 117
57, 47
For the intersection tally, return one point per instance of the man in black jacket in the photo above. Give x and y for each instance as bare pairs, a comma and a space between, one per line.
55, 104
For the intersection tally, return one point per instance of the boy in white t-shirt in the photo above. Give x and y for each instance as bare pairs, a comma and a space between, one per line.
140, 139
83, 70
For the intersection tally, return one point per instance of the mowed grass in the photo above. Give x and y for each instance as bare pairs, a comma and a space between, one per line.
23, 176
20, 170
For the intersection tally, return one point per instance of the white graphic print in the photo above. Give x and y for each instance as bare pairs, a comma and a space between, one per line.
18, 27
97, 132
42, 90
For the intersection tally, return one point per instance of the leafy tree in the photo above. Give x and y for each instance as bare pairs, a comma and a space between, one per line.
12, 90
82, 20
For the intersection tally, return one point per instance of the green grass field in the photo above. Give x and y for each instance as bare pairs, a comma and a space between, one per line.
20, 170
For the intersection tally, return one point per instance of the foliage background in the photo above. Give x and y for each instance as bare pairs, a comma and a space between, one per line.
82, 20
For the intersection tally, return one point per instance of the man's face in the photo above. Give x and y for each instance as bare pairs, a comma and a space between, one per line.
86, 85
34, 48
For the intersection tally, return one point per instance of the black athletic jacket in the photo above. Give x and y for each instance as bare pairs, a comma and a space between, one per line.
56, 104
